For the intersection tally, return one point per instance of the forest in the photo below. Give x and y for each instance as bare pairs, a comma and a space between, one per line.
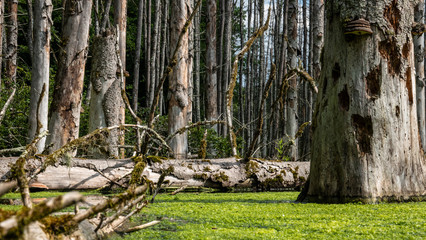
323, 97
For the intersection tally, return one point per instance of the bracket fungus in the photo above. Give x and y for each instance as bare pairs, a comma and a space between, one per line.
358, 27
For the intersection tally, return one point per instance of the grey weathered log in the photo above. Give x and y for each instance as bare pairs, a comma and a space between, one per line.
187, 172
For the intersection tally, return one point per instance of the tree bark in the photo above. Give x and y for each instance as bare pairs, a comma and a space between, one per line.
419, 54
178, 81
30, 31
40, 71
106, 98
211, 67
365, 133
66, 102
256, 174
291, 119
137, 57
197, 62
154, 46
1, 40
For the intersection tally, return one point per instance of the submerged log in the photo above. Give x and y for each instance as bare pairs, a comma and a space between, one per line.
214, 173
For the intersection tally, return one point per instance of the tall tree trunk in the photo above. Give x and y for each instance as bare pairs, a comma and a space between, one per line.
241, 75
120, 19
178, 82
154, 46
40, 71
148, 53
419, 53
211, 67
249, 78
106, 98
164, 47
219, 51
66, 102
262, 68
197, 62
30, 31
291, 119
365, 131
12, 42
1, 39
137, 56
190, 64
227, 57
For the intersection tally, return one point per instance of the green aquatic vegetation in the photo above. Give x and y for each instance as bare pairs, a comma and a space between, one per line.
275, 215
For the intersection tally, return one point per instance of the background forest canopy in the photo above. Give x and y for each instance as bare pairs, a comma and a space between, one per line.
147, 41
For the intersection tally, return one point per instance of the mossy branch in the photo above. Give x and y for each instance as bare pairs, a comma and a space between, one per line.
25, 216
19, 169
259, 129
230, 91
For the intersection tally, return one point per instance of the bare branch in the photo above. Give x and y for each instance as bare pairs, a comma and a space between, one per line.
230, 91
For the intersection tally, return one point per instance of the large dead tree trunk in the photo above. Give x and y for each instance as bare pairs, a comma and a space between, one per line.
178, 83
214, 173
40, 71
366, 145
66, 103
106, 99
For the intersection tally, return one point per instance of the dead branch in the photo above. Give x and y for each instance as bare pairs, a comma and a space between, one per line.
230, 91
111, 203
259, 129
179, 190
120, 211
146, 225
13, 150
7, 104
26, 216
92, 166
5, 187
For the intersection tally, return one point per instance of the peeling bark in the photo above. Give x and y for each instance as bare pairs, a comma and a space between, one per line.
40, 71
370, 149
66, 102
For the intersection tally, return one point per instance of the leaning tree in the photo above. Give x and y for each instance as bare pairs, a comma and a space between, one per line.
366, 143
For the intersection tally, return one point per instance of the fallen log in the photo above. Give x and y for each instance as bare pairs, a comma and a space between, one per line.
211, 173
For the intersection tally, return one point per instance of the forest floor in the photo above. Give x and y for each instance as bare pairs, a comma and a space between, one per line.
268, 215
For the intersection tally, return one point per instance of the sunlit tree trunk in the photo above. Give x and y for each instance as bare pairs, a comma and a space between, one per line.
291, 119
211, 67
178, 81
66, 103
40, 71
106, 98
419, 54
366, 145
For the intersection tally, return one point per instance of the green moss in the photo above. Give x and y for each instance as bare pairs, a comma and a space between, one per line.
156, 159
206, 169
202, 176
274, 215
220, 177
57, 225
252, 168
